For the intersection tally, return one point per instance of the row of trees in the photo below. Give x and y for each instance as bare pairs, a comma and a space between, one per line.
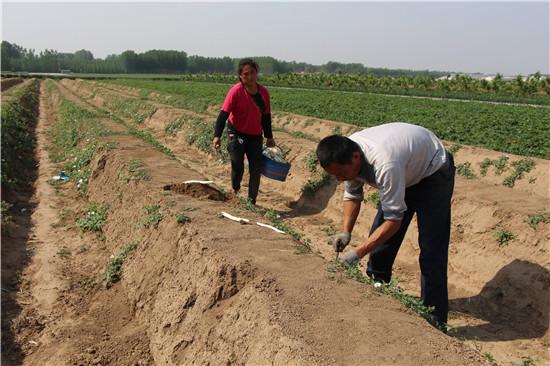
17, 58
534, 89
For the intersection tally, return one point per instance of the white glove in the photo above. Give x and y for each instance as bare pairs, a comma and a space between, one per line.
340, 241
350, 258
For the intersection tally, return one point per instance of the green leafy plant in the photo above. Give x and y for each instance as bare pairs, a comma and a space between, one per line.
137, 171
135, 109
536, 219
329, 230
527, 361
94, 219
313, 185
501, 164
392, 289
113, 273
373, 198
503, 237
182, 218
311, 161
201, 136
507, 128
520, 168
453, 149
153, 216
18, 140
173, 127
489, 357
465, 170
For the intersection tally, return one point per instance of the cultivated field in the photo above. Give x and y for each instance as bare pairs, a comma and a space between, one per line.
125, 264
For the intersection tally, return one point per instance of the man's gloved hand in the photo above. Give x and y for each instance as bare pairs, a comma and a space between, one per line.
340, 241
350, 258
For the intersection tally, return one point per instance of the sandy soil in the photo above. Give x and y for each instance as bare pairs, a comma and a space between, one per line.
215, 292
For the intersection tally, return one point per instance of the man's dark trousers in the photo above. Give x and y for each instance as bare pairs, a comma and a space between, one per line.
430, 199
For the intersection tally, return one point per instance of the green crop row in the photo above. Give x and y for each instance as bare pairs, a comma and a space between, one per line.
519, 130
18, 120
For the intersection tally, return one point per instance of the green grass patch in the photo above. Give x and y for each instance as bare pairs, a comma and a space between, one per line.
489, 357
453, 149
503, 237
536, 219
145, 136
153, 216
513, 129
182, 218
527, 361
201, 134
500, 164
392, 289
173, 127
135, 109
465, 170
94, 219
303, 135
520, 168
113, 273
74, 140
137, 171
373, 198
329, 230
313, 185
18, 139
311, 161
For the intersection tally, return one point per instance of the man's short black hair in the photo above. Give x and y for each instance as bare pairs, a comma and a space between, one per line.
336, 149
247, 61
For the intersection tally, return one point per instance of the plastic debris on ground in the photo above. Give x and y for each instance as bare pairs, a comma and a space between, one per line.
62, 176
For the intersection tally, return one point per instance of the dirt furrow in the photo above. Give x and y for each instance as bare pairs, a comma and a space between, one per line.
485, 280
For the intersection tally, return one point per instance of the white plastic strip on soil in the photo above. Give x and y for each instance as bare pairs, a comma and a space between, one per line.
246, 221
271, 227
199, 181
234, 218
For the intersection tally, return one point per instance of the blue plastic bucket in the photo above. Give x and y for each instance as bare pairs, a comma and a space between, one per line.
274, 170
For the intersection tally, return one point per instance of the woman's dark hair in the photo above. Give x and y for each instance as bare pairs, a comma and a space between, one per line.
336, 149
247, 61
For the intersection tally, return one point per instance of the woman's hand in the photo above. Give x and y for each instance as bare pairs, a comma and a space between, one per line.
270, 142
216, 143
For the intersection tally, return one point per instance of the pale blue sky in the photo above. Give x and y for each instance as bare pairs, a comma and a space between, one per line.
504, 37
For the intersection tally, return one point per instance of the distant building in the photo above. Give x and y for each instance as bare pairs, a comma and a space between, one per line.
481, 76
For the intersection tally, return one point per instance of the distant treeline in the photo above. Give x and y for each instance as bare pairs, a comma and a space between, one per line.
16, 58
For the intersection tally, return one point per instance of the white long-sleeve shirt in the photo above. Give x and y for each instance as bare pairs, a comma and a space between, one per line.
397, 155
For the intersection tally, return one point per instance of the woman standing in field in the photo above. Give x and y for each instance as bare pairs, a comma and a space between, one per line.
248, 109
